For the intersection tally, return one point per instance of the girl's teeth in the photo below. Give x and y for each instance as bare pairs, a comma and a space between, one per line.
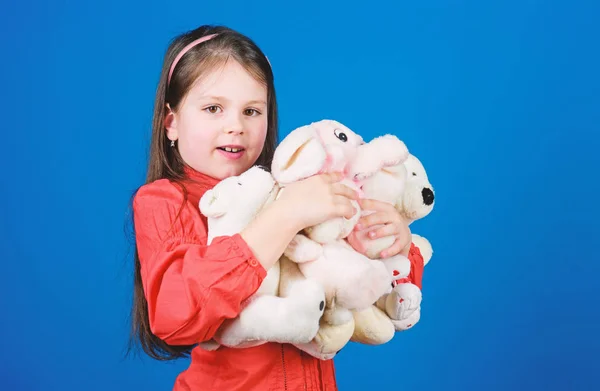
232, 149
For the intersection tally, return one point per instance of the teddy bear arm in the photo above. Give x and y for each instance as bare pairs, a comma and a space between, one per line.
424, 246
293, 319
329, 340
372, 326
302, 249
404, 299
409, 322
355, 280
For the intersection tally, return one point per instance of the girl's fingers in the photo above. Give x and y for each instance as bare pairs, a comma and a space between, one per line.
332, 177
375, 205
343, 190
373, 219
394, 249
386, 230
343, 207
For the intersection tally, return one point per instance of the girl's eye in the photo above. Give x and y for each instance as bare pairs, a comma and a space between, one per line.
213, 109
251, 112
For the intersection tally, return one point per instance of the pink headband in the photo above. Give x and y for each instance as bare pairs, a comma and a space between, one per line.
187, 49
184, 51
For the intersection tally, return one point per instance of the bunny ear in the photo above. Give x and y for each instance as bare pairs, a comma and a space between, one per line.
211, 205
383, 151
300, 155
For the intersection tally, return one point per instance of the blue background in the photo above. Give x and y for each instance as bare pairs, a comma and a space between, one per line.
500, 101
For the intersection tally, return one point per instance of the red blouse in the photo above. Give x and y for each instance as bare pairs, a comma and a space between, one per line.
191, 288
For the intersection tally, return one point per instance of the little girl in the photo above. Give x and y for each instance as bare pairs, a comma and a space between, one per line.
215, 116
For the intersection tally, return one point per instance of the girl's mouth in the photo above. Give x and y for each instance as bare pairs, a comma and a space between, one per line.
232, 152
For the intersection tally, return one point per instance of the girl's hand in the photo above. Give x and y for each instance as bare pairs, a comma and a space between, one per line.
390, 222
316, 199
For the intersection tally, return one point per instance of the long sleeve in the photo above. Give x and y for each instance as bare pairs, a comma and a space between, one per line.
417, 266
190, 287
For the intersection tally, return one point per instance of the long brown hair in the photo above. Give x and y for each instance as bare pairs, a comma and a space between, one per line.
165, 162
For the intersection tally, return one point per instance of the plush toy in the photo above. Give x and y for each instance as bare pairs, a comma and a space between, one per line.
419, 198
328, 146
336, 266
416, 202
292, 317
402, 305
351, 280
373, 325
329, 338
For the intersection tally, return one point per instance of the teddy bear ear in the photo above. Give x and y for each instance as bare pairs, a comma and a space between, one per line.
300, 155
211, 205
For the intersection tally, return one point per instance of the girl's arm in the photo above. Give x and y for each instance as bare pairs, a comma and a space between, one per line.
301, 204
190, 288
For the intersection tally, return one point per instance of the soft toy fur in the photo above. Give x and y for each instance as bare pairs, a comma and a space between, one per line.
373, 325
402, 305
419, 198
417, 202
351, 280
329, 146
329, 338
268, 315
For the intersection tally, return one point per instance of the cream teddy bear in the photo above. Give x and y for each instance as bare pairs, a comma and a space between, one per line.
402, 305
267, 316
351, 280
416, 202
373, 325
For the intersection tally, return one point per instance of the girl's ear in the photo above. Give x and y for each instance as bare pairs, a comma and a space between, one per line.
170, 123
300, 155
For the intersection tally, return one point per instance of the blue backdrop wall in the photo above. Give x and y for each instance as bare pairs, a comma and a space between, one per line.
500, 101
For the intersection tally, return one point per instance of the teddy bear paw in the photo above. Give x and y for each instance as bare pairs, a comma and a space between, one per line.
364, 288
404, 300
302, 249
408, 323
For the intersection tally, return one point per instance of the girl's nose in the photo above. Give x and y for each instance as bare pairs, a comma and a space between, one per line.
234, 126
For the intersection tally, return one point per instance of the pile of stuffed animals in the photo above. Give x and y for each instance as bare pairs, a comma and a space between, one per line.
330, 286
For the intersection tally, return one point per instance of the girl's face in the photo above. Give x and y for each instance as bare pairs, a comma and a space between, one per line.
221, 124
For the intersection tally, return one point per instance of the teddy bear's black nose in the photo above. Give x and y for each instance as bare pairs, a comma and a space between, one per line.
428, 197
321, 305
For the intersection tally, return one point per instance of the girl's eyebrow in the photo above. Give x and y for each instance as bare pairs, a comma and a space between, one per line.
224, 99
257, 101
211, 97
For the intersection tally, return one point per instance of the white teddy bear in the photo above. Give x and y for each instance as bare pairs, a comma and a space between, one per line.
407, 187
416, 202
267, 316
403, 304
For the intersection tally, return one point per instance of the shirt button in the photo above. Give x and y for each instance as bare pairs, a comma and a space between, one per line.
253, 262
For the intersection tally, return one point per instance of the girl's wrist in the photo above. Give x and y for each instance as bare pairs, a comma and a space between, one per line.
289, 217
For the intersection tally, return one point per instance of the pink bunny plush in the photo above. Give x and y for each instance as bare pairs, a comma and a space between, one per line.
351, 280
328, 146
